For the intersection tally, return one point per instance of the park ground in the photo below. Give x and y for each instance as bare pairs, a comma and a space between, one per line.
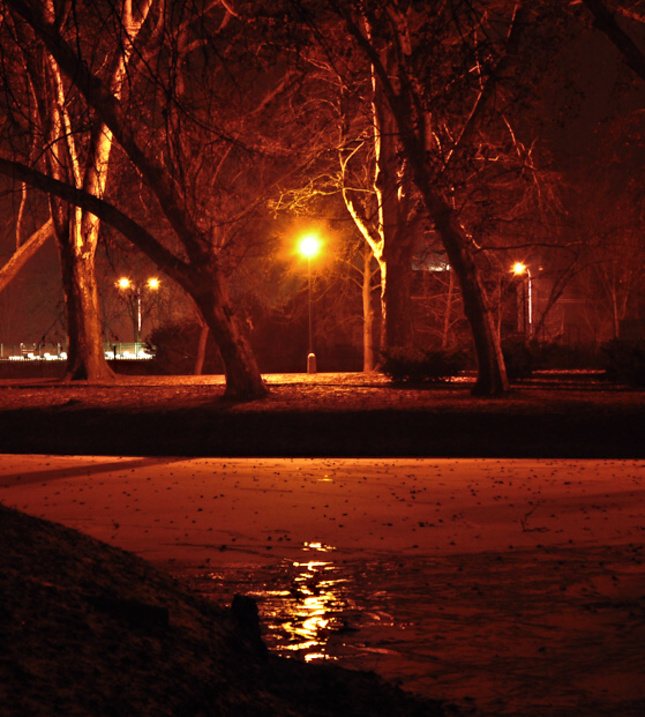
424, 554
552, 415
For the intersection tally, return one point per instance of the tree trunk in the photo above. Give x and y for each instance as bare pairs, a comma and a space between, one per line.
397, 299
368, 313
243, 378
448, 314
201, 349
86, 357
491, 373
394, 226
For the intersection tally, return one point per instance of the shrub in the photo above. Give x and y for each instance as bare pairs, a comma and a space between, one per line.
518, 358
624, 361
551, 355
412, 365
176, 349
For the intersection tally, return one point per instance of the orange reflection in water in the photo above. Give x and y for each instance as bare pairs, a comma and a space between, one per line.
303, 618
308, 607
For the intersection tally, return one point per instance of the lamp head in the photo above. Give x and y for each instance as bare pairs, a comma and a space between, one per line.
309, 245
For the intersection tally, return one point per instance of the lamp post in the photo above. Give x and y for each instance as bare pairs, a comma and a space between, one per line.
520, 269
310, 246
126, 284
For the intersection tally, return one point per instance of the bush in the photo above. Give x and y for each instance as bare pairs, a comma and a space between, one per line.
411, 365
624, 361
553, 355
518, 359
176, 349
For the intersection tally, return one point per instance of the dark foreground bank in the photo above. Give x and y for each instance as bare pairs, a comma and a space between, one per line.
87, 629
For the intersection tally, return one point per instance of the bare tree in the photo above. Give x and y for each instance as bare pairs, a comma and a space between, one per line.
80, 156
196, 262
391, 39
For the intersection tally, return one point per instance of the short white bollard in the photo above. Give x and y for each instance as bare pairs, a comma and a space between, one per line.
311, 363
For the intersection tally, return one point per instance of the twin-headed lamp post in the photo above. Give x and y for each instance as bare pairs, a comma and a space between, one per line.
126, 284
309, 247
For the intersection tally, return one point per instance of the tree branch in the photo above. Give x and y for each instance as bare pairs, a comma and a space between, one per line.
605, 21
109, 109
488, 91
26, 250
132, 230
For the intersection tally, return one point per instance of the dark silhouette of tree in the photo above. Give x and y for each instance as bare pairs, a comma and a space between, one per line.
605, 21
613, 261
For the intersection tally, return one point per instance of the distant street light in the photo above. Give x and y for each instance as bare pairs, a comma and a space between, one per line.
520, 269
126, 284
309, 247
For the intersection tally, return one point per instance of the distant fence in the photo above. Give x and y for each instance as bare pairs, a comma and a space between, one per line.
28, 352
30, 360
57, 352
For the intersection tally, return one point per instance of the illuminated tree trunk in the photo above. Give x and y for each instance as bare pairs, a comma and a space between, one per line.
76, 238
86, 358
368, 313
391, 233
398, 235
397, 297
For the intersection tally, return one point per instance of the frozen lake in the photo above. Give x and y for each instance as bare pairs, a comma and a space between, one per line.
508, 586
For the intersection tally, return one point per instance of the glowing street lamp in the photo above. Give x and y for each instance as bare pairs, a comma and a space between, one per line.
126, 284
309, 247
520, 269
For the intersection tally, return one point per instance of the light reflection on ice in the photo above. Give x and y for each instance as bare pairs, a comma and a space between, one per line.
311, 608
303, 619
456, 627
320, 547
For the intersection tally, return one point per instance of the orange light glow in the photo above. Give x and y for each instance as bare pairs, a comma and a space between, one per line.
153, 284
519, 268
123, 283
309, 245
